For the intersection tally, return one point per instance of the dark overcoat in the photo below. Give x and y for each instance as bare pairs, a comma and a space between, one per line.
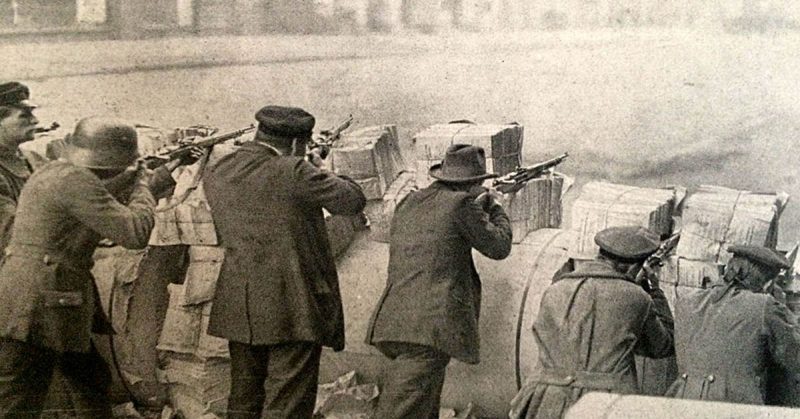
278, 280
590, 324
433, 293
14, 172
725, 338
48, 296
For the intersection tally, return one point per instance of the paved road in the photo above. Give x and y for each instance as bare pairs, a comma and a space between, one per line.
643, 108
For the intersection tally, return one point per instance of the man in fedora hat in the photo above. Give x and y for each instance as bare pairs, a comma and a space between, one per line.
729, 337
17, 125
590, 324
429, 310
49, 304
277, 299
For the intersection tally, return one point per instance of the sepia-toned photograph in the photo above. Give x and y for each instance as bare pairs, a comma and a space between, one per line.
399, 209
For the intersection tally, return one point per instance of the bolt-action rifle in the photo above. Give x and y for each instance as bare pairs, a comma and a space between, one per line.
515, 180
328, 137
184, 146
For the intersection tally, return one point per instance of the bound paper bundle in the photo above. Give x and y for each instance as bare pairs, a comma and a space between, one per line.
370, 156
601, 205
188, 221
537, 205
715, 217
502, 144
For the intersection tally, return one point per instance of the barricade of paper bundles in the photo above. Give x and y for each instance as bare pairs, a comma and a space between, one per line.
194, 366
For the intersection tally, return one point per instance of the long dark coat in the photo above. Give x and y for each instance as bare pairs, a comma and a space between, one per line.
278, 281
48, 296
590, 324
725, 338
14, 172
433, 293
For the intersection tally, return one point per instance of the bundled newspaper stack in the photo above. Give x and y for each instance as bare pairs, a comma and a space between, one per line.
502, 144
537, 205
602, 205
370, 156
714, 218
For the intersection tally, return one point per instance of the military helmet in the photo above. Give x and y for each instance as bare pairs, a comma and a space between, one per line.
102, 143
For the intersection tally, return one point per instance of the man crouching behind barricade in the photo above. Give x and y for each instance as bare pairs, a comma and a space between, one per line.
277, 299
429, 310
49, 304
728, 335
590, 324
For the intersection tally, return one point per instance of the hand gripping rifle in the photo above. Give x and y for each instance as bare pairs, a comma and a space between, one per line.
329, 137
515, 180
657, 260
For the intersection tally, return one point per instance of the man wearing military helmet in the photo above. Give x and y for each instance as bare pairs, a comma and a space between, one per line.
592, 321
17, 125
728, 335
49, 304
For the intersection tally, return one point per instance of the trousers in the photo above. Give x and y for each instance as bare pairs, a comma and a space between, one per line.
273, 381
412, 380
26, 372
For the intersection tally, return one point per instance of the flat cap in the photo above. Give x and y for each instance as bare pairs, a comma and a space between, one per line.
15, 93
631, 242
283, 121
760, 254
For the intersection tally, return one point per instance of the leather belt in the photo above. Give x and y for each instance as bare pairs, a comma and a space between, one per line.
581, 379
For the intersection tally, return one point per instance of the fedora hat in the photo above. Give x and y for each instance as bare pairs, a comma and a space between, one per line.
463, 163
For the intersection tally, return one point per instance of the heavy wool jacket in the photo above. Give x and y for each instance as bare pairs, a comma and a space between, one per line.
47, 293
590, 324
278, 281
433, 293
726, 337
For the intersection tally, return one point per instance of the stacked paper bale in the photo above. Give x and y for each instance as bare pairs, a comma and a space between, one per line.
713, 218
502, 143
371, 156
601, 205
195, 365
537, 205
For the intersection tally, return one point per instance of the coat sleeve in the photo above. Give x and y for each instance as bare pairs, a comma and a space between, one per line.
657, 340
783, 336
129, 226
8, 207
487, 232
337, 194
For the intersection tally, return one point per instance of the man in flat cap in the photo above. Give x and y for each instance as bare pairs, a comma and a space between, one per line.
726, 336
592, 321
17, 125
49, 304
429, 310
277, 299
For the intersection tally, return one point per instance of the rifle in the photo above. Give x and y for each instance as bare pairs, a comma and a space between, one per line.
184, 146
328, 137
657, 258
515, 180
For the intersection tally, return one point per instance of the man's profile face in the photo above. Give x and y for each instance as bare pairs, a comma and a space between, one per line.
19, 126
